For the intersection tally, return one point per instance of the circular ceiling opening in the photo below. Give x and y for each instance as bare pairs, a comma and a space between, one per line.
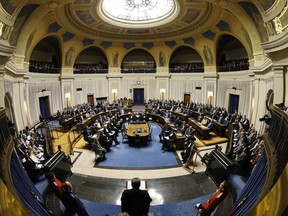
138, 13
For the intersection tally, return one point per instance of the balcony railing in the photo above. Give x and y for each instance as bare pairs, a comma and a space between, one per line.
138, 70
40, 69
236, 67
91, 71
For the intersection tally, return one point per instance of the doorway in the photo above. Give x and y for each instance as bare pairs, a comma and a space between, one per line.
90, 99
44, 107
138, 96
186, 98
233, 103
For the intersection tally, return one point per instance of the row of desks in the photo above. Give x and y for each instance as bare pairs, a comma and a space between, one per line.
219, 129
203, 131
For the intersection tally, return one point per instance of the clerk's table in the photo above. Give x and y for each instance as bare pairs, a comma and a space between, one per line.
138, 133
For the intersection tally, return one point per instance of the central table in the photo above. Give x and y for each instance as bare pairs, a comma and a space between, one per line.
138, 133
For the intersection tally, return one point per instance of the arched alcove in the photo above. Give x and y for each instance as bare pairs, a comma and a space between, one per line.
231, 54
186, 60
138, 61
90, 61
46, 56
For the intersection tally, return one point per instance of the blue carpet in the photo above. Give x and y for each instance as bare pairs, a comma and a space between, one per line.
151, 156
184, 208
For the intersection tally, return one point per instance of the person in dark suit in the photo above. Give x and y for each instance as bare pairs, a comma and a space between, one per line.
74, 202
135, 202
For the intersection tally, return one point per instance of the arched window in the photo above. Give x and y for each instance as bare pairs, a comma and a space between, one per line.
45, 57
91, 61
138, 61
186, 60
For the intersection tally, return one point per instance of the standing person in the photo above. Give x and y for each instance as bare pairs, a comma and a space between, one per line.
192, 149
74, 202
215, 199
135, 202
56, 186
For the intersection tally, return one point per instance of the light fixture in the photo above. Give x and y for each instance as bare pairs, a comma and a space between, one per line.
114, 92
210, 95
67, 97
162, 93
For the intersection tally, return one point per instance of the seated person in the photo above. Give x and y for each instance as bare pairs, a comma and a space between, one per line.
200, 118
183, 126
169, 142
242, 162
99, 150
135, 202
173, 118
165, 131
86, 136
32, 165
189, 133
211, 125
105, 141
177, 122
205, 122
215, 199
111, 134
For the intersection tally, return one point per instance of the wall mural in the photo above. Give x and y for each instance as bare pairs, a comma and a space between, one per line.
191, 15
115, 57
162, 60
85, 16
108, 28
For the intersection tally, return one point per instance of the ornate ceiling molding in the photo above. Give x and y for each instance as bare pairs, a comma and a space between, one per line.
206, 15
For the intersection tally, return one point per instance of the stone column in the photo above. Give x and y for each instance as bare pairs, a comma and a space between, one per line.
278, 72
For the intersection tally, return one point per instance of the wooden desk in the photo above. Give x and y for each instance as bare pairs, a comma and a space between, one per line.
202, 130
67, 124
126, 102
180, 140
219, 129
138, 134
181, 116
156, 118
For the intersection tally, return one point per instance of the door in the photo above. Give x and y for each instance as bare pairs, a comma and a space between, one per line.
138, 96
233, 103
44, 107
90, 99
186, 98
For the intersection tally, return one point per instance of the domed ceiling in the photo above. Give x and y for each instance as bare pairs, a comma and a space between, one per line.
136, 20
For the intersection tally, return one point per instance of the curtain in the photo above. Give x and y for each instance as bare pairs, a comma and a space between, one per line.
24, 186
253, 187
